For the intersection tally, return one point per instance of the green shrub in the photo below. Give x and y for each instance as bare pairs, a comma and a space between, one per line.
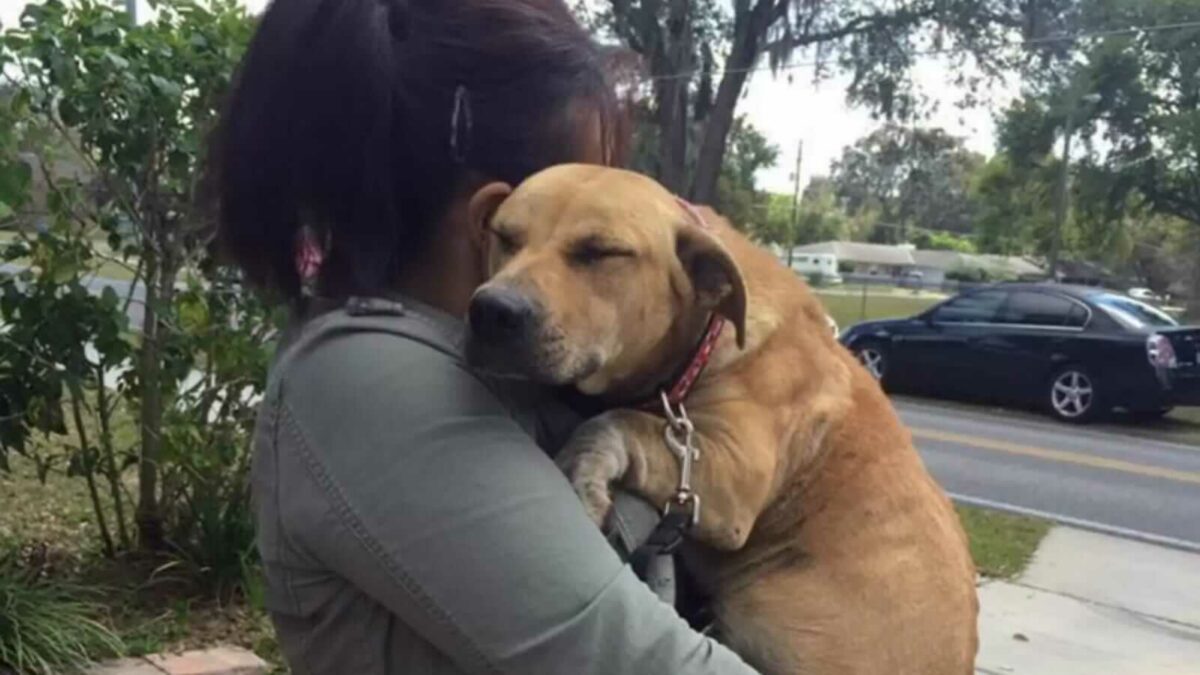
977, 275
48, 626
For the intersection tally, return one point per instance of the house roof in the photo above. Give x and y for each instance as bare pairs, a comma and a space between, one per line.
886, 254
950, 260
942, 260
858, 252
1015, 264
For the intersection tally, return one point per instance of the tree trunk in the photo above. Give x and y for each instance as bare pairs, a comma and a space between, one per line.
88, 463
109, 459
149, 514
672, 140
747, 42
672, 96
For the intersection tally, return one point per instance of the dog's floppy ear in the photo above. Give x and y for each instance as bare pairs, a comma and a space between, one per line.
715, 276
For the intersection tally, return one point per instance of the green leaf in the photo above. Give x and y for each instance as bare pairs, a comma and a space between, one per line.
104, 28
14, 183
109, 297
65, 272
165, 86
116, 60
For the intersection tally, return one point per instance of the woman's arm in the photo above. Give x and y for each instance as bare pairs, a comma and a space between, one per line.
417, 487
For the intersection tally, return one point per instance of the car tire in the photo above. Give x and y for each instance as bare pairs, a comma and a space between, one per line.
873, 358
1073, 395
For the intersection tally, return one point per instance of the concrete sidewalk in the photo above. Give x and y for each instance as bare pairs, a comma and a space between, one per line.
1091, 604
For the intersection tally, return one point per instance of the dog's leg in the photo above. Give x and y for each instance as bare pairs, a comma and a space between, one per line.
734, 477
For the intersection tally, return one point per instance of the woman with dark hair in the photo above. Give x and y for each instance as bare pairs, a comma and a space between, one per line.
407, 521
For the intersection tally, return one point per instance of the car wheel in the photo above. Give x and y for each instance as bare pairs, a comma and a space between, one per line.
1074, 395
873, 358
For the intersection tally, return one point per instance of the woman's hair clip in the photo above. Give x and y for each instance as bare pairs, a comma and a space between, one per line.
397, 18
462, 123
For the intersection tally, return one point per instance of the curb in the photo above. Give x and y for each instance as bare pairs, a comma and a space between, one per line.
215, 661
1079, 523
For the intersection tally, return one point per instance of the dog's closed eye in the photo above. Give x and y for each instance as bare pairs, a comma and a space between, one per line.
593, 250
507, 242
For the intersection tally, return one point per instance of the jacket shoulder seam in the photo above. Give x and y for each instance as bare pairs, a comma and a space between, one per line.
351, 520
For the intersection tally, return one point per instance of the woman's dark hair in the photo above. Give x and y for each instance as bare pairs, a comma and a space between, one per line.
343, 121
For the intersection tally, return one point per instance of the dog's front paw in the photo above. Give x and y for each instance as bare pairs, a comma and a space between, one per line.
595, 457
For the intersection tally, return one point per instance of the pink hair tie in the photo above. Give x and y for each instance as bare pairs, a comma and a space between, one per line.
309, 256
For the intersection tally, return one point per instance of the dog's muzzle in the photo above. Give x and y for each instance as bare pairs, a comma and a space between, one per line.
504, 325
502, 317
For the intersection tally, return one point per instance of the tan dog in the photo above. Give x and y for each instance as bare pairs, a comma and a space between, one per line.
828, 548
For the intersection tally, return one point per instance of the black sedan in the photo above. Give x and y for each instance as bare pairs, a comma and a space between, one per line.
1078, 352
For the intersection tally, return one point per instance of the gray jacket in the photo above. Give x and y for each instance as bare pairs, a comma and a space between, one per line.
408, 523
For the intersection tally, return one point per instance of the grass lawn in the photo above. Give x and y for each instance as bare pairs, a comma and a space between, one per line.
846, 305
1001, 544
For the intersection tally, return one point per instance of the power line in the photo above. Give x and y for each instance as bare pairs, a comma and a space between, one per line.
1032, 42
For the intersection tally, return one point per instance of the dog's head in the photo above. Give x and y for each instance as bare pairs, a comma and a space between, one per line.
600, 278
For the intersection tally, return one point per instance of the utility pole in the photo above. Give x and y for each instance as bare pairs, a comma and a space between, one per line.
131, 8
795, 202
1063, 197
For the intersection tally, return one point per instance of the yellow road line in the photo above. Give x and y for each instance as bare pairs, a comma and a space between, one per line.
1059, 456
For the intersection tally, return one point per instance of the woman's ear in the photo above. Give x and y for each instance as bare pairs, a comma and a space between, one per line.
480, 209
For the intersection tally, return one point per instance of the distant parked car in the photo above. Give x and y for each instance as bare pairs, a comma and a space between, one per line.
912, 279
1077, 351
1145, 295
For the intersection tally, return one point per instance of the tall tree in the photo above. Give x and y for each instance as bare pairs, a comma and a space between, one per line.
913, 177
682, 42
1143, 70
1014, 208
818, 217
134, 104
749, 153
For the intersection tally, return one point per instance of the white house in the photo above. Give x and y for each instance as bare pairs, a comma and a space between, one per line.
863, 258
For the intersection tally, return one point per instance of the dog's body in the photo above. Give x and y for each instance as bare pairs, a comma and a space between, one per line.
827, 546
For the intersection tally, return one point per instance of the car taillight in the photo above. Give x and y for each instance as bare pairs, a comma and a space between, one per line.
1160, 352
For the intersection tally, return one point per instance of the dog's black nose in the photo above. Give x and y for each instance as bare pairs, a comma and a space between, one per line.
500, 315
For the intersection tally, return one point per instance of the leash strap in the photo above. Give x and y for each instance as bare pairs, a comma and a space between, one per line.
682, 512
664, 540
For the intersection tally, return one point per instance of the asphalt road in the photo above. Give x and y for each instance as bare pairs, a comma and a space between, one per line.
1101, 480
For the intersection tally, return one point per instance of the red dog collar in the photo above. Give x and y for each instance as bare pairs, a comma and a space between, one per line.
676, 391
682, 386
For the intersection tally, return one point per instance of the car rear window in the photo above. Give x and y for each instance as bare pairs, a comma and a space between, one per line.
1131, 313
1043, 309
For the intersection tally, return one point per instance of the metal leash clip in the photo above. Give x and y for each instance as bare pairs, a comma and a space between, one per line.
679, 434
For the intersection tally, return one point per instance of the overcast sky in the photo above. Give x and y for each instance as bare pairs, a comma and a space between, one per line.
788, 112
